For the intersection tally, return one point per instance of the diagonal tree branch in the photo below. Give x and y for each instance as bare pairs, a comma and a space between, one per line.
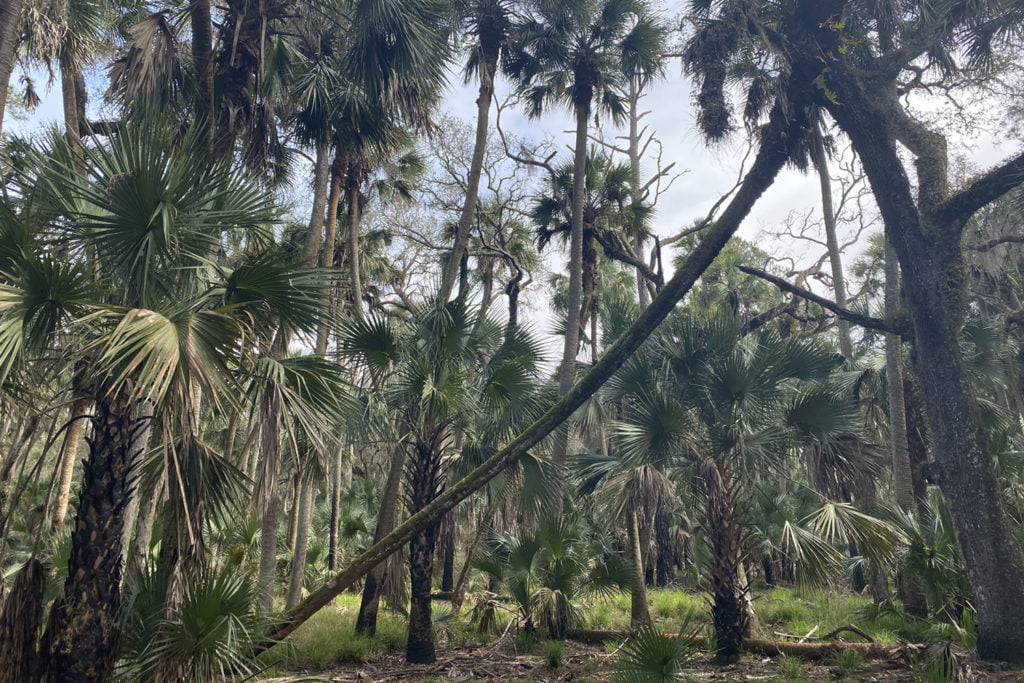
983, 191
846, 314
781, 136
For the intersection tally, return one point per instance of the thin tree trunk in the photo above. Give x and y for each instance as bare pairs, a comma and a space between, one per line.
68, 458
69, 76
448, 537
202, 62
423, 479
293, 515
267, 496
778, 142
321, 168
332, 550
894, 388
143, 430
366, 621
488, 64
144, 526
298, 571
10, 20
354, 213
643, 294
639, 614
665, 567
831, 238
83, 636
567, 370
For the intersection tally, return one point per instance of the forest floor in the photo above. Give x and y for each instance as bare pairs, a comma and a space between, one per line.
326, 649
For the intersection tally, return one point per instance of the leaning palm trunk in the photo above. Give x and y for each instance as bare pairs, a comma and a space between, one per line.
82, 638
728, 606
778, 142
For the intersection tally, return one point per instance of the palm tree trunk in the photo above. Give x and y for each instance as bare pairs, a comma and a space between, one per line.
332, 550
366, 621
354, 214
10, 20
894, 387
82, 637
665, 567
448, 536
831, 238
69, 76
488, 64
778, 142
267, 497
202, 61
423, 481
728, 606
68, 458
567, 370
144, 526
297, 579
321, 168
639, 614
140, 444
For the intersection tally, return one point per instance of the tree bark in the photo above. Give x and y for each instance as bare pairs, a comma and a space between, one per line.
321, 169
298, 570
10, 19
332, 549
894, 388
202, 61
82, 639
831, 238
366, 621
353, 182
778, 142
68, 458
488, 67
567, 370
728, 594
639, 614
931, 262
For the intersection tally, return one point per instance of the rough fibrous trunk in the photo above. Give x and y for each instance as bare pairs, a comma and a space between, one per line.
927, 245
728, 599
639, 614
424, 478
82, 637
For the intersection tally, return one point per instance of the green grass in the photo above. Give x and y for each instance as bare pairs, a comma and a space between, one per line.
554, 654
791, 668
329, 638
848, 662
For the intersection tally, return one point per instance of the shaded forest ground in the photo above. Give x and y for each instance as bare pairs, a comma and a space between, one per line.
326, 649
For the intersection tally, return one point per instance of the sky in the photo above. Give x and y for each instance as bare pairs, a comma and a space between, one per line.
708, 171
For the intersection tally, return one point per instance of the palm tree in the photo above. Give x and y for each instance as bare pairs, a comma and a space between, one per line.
548, 570
10, 21
732, 407
435, 382
489, 22
157, 331
574, 53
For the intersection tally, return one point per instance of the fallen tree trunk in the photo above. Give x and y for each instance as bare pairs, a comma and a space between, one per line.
778, 142
770, 648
